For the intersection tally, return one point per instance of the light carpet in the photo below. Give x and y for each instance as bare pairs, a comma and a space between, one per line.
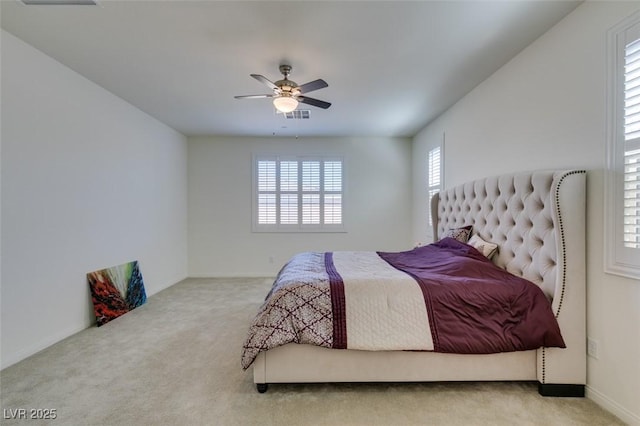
176, 361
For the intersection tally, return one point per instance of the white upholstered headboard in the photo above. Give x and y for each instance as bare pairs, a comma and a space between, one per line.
531, 216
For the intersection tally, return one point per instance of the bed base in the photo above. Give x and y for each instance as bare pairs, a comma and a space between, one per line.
294, 363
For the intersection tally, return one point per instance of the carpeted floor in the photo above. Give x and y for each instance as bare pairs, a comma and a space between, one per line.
176, 361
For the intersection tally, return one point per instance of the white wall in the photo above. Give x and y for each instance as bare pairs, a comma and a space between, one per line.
88, 182
547, 109
377, 200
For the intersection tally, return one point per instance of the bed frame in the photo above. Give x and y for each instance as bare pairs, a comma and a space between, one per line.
538, 221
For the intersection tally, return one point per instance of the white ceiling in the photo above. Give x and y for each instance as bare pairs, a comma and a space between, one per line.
391, 66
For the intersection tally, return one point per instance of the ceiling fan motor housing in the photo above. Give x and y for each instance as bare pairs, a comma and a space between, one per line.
285, 70
287, 87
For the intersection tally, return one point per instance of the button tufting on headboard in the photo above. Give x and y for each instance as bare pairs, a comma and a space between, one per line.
515, 212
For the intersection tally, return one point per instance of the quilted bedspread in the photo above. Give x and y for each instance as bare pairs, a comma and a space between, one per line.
444, 297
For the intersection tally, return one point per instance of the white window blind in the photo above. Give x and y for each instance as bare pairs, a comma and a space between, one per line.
622, 206
631, 173
267, 192
298, 194
333, 192
310, 192
433, 178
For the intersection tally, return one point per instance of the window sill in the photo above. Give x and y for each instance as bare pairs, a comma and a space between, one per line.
626, 271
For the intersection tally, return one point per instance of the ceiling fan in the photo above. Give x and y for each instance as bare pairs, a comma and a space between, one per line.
287, 93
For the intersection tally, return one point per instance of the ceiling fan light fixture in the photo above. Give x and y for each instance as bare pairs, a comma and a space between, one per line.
285, 103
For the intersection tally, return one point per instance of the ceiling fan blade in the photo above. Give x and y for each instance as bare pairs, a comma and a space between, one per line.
315, 102
265, 80
254, 96
313, 85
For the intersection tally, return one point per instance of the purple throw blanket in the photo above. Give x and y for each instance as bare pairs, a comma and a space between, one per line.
474, 306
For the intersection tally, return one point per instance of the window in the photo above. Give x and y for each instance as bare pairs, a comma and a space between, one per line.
298, 194
434, 182
631, 172
622, 209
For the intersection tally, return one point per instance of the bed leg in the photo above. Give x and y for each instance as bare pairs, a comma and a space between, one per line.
561, 390
262, 387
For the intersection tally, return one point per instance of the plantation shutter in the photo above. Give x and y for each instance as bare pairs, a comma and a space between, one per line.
311, 192
267, 192
631, 191
433, 178
298, 194
333, 192
622, 180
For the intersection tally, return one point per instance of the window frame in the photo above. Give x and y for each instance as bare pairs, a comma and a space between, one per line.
619, 260
300, 226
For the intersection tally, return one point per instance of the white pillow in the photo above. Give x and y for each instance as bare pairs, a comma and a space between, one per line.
486, 248
461, 234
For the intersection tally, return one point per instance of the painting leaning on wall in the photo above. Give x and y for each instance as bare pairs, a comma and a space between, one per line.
116, 291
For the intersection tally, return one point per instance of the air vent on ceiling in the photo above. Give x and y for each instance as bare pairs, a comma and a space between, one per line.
60, 2
298, 114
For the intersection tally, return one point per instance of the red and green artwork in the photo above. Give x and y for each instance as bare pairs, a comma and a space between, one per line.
116, 291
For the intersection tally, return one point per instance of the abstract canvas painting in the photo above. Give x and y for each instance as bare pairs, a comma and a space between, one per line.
116, 291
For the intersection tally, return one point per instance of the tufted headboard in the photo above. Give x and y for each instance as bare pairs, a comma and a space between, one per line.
527, 215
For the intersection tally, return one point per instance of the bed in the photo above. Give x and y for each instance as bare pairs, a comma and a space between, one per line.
537, 221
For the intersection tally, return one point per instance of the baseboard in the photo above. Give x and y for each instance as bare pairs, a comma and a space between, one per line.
561, 390
166, 285
632, 419
25, 353
11, 359
199, 276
